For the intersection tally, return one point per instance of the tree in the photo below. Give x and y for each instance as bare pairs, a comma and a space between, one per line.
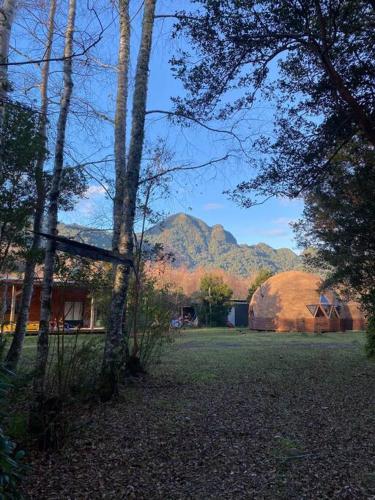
20, 145
7, 12
339, 224
112, 357
52, 210
262, 276
214, 296
314, 59
39, 182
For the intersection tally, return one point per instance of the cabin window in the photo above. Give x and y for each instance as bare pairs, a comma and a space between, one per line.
319, 313
73, 311
335, 313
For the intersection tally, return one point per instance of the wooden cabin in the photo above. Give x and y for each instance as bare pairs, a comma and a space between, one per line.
72, 306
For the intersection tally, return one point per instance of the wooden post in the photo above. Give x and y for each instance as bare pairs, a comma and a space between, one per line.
13, 305
92, 314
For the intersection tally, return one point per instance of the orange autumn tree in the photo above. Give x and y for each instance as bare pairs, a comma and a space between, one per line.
188, 280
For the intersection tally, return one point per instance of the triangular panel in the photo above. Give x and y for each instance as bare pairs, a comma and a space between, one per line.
312, 308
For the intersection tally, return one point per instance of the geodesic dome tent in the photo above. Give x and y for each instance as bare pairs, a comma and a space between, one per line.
291, 301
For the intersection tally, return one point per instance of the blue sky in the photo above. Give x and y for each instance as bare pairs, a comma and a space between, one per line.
199, 193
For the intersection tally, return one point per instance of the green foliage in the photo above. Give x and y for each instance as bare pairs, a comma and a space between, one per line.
339, 222
262, 49
154, 308
260, 278
214, 299
370, 338
11, 467
20, 146
72, 375
73, 366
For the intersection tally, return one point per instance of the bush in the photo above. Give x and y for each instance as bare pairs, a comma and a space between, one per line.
150, 312
73, 366
72, 376
11, 466
155, 327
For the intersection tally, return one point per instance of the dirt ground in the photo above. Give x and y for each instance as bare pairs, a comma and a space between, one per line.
228, 415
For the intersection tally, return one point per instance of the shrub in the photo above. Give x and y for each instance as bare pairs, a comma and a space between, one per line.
11, 466
71, 377
150, 312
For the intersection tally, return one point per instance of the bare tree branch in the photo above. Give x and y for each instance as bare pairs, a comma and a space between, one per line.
181, 168
195, 120
64, 57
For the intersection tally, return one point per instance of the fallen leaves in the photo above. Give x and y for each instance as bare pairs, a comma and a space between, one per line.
257, 427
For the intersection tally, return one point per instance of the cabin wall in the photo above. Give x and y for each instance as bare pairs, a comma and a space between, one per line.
60, 295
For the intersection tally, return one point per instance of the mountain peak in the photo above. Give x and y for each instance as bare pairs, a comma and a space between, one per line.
196, 244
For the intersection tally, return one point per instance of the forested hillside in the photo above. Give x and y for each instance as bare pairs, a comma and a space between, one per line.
195, 244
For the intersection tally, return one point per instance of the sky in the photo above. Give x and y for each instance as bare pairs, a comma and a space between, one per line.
199, 193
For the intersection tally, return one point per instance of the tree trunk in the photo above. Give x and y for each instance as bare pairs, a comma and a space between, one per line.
4, 304
120, 120
112, 350
359, 114
7, 12
15, 349
53, 198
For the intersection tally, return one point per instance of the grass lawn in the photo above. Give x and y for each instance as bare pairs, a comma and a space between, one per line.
227, 414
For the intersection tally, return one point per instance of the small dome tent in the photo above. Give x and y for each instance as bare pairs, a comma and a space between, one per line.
291, 301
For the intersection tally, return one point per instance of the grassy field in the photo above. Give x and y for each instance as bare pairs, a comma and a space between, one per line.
227, 414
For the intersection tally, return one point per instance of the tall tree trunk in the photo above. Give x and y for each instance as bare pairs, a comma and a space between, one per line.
15, 349
53, 198
7, 11
4, 303
359, 112
113, 344
120, 120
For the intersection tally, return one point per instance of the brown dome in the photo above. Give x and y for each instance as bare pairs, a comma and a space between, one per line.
289, 302
352, 316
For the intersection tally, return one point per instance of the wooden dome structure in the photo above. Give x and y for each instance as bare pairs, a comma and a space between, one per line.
352, 317
291, 301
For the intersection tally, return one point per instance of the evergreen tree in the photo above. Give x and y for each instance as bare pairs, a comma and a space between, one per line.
314, 60
260, 278
339, 223
214, 297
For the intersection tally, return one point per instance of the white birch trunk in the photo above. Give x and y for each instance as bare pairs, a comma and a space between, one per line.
49, 261
113, 344
120, 119
15, 349
7, 11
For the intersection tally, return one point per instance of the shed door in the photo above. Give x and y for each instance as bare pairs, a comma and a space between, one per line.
242, 318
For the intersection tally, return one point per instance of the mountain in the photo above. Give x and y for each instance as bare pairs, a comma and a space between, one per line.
195, 244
